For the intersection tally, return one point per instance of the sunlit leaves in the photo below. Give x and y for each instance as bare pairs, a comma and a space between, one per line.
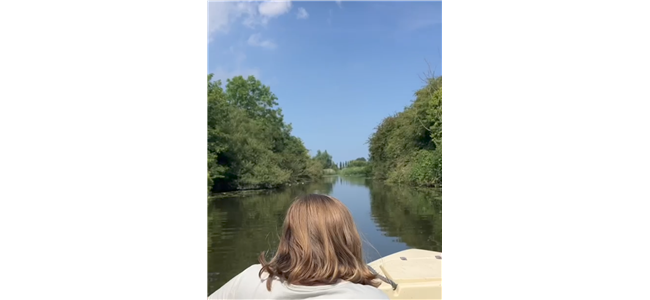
407, 147
249, 145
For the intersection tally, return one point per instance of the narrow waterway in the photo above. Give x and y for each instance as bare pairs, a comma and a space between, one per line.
389, 218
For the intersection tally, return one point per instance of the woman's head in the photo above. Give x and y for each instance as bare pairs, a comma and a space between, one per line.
320, 244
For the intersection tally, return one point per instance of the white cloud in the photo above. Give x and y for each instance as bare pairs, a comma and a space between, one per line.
256, 40
274, 8
218, 16
233, 64
339, 4
221, 15
224, 16
302, 13
238, 56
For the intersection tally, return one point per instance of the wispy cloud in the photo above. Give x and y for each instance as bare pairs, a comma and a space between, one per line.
238, 56
275, 8
221, 15
225, 19
329, 19
302, 13
256, 41
339, 4
233, 65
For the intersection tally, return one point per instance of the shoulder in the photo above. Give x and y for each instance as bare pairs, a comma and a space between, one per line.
254, 268
365, 291
252, 271
248, 276
238, 285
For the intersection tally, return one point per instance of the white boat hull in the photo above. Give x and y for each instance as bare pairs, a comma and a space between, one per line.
417, 273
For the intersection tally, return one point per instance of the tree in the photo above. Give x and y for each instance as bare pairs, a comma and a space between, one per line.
407, 147
325, 159
249, 144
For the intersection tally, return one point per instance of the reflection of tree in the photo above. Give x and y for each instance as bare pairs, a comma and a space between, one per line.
240, 228
413, 215
357, 181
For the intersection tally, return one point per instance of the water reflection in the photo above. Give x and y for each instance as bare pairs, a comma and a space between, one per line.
413, 215
389, 218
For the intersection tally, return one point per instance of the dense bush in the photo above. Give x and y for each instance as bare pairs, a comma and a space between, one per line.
355, 171
407, 147
249, 145
329, 172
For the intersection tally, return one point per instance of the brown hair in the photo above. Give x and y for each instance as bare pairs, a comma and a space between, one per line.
320, 244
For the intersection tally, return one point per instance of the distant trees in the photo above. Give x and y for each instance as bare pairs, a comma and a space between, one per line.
249, 144
359, 162
407, 147
357, 167
325, 159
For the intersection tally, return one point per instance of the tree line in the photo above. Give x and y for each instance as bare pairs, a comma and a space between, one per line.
249, 144
407, 147
357, 167
325, 159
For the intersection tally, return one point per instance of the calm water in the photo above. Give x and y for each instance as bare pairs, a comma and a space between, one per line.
389, 218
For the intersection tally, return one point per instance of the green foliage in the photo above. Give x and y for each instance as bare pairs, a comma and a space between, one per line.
249, 144
357, 167
407, 147
326, 160
329, 172
426, 168
357, 163
210, 182
314, 168
355, 171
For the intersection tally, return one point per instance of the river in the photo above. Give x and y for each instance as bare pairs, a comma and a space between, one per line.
389, 218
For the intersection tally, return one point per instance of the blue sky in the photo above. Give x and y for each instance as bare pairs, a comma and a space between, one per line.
337, 68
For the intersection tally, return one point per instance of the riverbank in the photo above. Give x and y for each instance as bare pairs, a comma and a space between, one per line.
355, 176
250, 192
262, 191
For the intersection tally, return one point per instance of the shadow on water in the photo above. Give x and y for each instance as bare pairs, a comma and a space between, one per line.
413, 215
389, 218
